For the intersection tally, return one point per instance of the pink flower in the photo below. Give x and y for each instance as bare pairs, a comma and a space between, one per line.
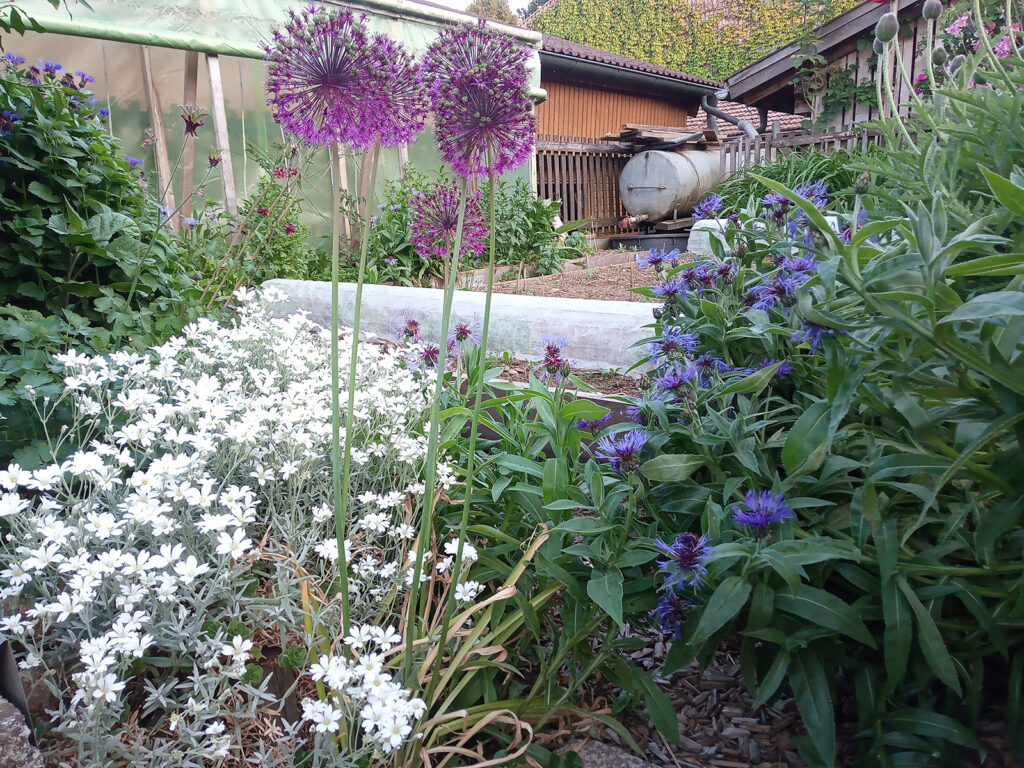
959, 25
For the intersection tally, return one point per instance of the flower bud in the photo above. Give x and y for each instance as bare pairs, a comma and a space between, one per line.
863, 183
887, 27
932, 9
214, 158
957, 63
878, 46
939, 55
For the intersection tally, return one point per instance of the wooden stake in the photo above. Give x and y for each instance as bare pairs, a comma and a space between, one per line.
165, 188
220, 131
188, 154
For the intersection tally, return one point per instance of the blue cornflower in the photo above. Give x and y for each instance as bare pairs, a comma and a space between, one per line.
816, 192
782, 370
85, 78
635, 412
7, 119
104, 112
708, 207
553, 364
725, 272
800, 265
847, 232
812, 333
671, 342
780, 290
707, 365
133, 162
191, 222
762, 509
697, 278
671, 613
622, 450
655, 258
52, 67
424, 359
465, 333
14, 58
674, 378
165, 212
670, 289
774, 198
684, 564
589, 425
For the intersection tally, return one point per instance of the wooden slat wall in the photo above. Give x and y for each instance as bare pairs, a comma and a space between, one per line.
742, 151
584, 176
572, 110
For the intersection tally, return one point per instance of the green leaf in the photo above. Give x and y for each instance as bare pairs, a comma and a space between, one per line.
806, 435
659, 706
997, 264
520, 464
582, 525
1006, 192
671, 467
930, 639
605, 589
724, 604
988, 306
899, 634
583, 409
931, 725
753, 383
827, 610
773, 678
782, 566
563, 504
814, 701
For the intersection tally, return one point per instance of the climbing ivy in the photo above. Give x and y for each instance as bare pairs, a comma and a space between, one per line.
710, 38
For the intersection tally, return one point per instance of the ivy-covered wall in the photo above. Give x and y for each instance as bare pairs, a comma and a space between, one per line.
711, 38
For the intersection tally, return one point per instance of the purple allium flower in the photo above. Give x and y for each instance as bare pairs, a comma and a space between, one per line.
622, 449
816, 192
780, 290
193, 117
708, 207
434, 219
464, 333
672, 342
424, 359
403, 108
707, 365
323, 81
553, 365
590, 425
671, 613
762, 509
409, 332
656, 258
684, 564
133, 162
674, 378
477, 81
670, 289
812, 333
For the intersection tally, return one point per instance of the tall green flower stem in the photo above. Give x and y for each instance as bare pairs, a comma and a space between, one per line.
478, 396
430, 481
342, 480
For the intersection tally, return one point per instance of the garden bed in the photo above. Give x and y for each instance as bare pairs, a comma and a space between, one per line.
610, 282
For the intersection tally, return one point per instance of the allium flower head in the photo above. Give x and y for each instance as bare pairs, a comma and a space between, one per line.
762, 508
323, 80
434, 218
477, 81
656, 258
671, 613
622, 450
403, 108
684, 564
553, 365
708, 208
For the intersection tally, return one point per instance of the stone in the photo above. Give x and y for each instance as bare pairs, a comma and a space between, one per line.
599, 334
597, 754
15, 749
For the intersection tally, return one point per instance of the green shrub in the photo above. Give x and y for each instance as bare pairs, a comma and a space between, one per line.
85, 260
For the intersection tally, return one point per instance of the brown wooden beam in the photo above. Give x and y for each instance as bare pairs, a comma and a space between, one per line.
165, 186
188, 156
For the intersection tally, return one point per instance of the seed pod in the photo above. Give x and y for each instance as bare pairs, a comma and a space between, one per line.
887, 27
932, 9
863, 183
939, 55
957, 63
878, 47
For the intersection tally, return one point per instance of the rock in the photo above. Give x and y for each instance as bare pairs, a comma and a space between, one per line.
597, 754
15, 749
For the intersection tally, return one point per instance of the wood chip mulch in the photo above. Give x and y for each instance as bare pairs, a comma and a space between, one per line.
609, 283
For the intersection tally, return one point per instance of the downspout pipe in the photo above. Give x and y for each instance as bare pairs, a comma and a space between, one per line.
708, 103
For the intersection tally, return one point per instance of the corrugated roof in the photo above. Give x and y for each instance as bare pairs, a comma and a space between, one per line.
786, 121
552, 44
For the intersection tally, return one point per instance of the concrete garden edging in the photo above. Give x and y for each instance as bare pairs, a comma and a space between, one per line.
599, 334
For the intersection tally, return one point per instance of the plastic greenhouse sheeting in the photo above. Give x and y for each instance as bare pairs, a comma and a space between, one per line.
106, 43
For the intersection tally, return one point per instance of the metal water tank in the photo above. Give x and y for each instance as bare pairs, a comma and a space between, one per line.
661, 185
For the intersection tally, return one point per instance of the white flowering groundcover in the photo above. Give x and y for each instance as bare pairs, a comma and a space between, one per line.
187, 538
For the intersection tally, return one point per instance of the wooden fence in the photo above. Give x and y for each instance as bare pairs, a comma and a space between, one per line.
742, 150
583, 174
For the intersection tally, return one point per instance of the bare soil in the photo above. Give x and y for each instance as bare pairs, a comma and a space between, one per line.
609, 283
604, 382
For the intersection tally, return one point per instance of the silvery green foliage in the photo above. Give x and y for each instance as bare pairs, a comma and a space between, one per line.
145, 575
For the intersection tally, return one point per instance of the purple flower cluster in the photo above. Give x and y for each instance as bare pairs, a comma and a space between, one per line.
684, 562
464, 334
434, 219
402, 110
409, 332
672, 343
553, 365
591, 425
674, 378
816, 192
622, 450
671, 613
760, 509
708, 208
476, 78
656, 258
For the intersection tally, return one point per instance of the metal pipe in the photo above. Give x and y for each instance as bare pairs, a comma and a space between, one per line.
673, 143
631, 221
744, 125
